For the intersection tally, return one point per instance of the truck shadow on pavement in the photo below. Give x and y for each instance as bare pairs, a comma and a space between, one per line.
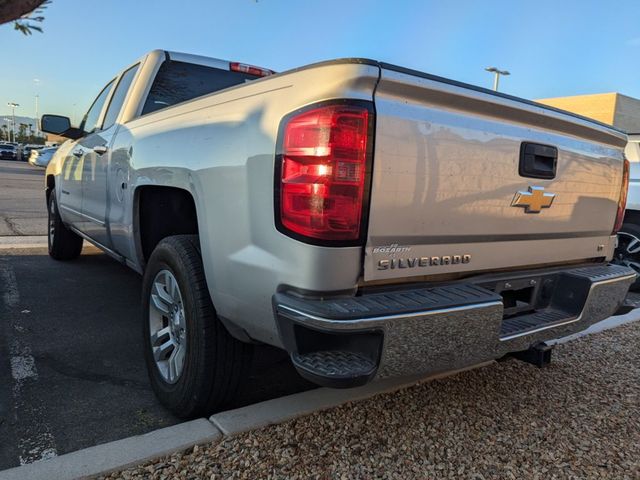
71, 351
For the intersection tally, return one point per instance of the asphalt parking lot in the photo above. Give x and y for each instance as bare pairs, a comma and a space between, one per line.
22, 207
71, 365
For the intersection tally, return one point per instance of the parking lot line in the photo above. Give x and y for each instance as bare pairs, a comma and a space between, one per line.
81, 322
18, 242
34, 438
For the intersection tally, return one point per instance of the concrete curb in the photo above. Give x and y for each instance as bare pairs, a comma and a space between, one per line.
19, 242
108, 457
279, 410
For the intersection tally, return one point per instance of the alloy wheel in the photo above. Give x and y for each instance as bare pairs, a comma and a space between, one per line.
167, 326
52, 221
628, 251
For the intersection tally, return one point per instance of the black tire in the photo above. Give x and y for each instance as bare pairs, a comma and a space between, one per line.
63, 243
215, 363
627, 234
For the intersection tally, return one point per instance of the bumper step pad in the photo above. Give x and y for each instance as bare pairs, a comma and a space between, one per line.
383, 303
525, 323
335, 367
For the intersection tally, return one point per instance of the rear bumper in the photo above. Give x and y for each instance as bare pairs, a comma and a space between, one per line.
347, 341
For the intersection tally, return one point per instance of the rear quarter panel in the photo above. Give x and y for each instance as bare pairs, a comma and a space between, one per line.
221, 149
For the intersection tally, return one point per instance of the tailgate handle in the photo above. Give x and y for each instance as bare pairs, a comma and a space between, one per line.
538, 161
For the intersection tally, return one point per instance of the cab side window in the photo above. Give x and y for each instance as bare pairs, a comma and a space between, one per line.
90, 123
119, 95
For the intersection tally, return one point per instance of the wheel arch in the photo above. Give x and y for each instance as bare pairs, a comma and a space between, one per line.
50, 184
160, 211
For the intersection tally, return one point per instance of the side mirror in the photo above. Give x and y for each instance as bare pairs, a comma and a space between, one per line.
55, 124
59, 125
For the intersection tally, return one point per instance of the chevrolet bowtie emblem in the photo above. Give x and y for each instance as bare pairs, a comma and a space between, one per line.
534, 200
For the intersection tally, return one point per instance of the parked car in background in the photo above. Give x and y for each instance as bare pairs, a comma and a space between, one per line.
27, 149
8, 152
628, 249
372, 221
41, 157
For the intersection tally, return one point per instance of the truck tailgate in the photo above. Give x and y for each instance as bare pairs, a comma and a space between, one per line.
446, 181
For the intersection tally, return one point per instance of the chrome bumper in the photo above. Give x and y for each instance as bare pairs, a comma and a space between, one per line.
450, 330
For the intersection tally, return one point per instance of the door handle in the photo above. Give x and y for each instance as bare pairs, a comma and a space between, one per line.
538, 161
78, 153
100, 149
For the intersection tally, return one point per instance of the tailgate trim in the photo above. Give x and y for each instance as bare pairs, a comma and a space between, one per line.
475, 88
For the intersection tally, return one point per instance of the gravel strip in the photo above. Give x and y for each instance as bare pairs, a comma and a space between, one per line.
579, 418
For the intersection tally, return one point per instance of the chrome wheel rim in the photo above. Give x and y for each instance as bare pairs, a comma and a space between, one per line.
167, 326
52, 216
628, 251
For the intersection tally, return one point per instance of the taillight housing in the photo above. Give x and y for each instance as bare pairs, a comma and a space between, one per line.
323, 167
622, 201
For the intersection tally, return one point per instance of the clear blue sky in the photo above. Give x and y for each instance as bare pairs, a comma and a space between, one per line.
552, 48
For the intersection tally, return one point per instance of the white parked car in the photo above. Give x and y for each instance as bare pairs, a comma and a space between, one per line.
628, 250
41, 157
8, 151
27, 149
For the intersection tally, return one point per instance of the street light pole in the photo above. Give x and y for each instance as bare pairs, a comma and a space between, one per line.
496, 77
36, 81
37, 119
13, 106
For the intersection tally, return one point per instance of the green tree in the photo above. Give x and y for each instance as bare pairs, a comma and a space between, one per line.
5, 133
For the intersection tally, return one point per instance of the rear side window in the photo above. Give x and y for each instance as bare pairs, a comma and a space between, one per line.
90, 123
179, 81
117, 99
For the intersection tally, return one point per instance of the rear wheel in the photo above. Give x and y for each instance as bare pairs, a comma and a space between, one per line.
195, 365
63, 243
628, 250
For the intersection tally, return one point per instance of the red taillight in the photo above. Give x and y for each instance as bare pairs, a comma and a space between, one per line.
622, 202
323, 169
250, 69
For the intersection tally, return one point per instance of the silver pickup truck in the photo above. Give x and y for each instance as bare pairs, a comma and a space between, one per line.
372, 221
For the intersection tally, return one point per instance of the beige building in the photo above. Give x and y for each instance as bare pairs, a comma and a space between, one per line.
612, 108
51, 138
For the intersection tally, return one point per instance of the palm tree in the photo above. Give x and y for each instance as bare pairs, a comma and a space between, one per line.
22, 132
23, 13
